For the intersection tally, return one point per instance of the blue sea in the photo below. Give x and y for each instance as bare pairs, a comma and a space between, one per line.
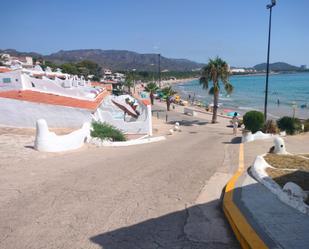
249, 91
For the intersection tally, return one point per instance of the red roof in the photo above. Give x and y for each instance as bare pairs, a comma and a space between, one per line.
52, 99
4, 70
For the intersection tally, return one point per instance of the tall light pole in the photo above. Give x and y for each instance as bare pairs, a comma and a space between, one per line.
159, 69
270, 7
133, 71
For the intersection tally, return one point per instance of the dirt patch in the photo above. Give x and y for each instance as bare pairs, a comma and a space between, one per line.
281, 177
31, 131
287, 162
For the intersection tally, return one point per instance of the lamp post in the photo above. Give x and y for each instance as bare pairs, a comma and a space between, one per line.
270, 7
159, 69
133, 71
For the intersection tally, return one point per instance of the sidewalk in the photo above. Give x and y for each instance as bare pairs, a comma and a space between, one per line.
273, 223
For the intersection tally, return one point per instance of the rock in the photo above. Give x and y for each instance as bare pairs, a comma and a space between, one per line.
294, 190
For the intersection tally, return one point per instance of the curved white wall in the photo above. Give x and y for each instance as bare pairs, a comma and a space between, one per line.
50, 142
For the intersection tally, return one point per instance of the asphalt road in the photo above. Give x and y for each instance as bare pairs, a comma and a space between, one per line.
133, 197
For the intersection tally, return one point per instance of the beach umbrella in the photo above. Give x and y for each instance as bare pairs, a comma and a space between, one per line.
227, 110
231, 114
126, 108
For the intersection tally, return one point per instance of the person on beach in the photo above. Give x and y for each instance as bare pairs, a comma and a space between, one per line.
235, 123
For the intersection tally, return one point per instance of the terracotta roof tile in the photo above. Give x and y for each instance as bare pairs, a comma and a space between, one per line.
52, 99
4, 70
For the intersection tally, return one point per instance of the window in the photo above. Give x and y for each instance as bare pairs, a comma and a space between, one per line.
6, 80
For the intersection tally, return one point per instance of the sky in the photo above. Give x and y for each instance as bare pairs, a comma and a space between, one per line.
235, 30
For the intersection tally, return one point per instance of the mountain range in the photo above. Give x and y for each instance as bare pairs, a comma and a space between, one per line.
115, 59
128, 60
277, 66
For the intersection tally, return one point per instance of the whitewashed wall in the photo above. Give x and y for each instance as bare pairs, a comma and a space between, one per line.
18, 113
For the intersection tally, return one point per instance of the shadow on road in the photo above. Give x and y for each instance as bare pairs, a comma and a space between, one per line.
173, 231
188, 122
234, 140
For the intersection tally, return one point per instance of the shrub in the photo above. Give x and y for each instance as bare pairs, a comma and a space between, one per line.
107, 131
271, 127
306, 126
290, 125
253, 121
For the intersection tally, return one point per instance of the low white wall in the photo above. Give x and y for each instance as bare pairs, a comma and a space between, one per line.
138, 141
249, 137
50, 142
258, 170
18, 113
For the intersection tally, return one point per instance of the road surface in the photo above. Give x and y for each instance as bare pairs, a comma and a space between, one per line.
133, 197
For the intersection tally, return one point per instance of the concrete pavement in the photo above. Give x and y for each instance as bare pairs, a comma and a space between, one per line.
149, 196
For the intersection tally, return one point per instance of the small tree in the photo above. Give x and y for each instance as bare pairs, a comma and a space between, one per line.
168, 92
106, 131
290, 125
128, 83
253, 121
152, 88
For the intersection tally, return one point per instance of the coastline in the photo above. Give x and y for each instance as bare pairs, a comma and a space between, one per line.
244, 100
177, 81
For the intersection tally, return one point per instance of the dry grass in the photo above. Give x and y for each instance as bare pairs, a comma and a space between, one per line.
305, 155
301, 178
281, 177
287, 162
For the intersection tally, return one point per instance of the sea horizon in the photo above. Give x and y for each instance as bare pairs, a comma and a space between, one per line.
286, 90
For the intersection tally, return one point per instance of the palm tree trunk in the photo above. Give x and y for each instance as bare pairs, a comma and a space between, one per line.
168, 104
151, 98
215, 108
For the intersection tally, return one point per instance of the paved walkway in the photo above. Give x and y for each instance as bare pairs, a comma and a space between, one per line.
278, 225
148, 196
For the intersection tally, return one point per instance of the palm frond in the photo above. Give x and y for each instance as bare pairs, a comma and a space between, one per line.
204, 82
151, 87
228, 88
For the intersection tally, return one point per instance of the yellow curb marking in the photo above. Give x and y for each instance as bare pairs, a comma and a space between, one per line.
245, 234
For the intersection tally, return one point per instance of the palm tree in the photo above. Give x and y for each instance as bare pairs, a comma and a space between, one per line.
168, 92
215, 71
128, 83
152, 88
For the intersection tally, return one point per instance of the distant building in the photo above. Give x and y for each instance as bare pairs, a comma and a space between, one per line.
237, 70
109, 76
17, 61
303, 67
107, 72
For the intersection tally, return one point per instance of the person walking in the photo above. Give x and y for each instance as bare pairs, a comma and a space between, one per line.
235, 123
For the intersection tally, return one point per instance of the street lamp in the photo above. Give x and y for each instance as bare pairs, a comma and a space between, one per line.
159, 69
133, 78
270, 7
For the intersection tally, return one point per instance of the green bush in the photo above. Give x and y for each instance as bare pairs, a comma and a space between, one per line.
253, 121
306, 126
290, 125
107, 131
271, 127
